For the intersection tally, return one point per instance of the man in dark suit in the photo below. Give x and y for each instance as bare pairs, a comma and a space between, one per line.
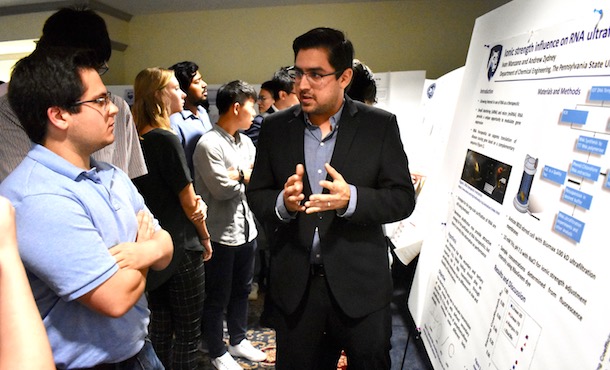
328, 173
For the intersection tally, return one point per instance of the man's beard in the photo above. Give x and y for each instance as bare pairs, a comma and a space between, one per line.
201, 101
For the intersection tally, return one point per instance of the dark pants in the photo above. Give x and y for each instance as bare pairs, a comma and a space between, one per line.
313, 336
228, 277
175, 307
261, 259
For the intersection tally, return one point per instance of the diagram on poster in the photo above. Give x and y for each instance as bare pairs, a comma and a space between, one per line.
513, 335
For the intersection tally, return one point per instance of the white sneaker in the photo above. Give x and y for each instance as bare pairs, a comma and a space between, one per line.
226, 362
246, 350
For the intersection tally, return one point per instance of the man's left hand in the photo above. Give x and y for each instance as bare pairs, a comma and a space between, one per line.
338, 198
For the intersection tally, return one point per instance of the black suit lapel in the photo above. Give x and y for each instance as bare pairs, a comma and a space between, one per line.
348, 126
297, 133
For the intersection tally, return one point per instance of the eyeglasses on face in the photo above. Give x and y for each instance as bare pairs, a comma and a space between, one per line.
103, 101
262, 98
103, 68
312, 76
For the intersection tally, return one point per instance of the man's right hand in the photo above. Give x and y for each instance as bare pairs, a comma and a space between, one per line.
145, 226
293, 191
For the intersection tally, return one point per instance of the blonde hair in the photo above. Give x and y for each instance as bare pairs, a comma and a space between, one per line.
151, 105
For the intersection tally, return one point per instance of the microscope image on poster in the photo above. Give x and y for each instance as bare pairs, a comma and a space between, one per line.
522, 198
486, 174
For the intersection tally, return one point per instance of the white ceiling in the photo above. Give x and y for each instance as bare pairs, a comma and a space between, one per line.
138, 7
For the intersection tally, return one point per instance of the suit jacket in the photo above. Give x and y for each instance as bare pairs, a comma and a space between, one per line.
369, 154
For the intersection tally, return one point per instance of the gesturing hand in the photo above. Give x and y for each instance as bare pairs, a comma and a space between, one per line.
339, 195
293, 190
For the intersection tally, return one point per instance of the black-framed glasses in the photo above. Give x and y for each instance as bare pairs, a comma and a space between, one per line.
312, 76
103, 68
103, 101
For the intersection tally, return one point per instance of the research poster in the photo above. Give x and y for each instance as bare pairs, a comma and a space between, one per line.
522, 276
438, 100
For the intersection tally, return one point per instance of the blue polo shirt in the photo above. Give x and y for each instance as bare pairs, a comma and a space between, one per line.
67, 219
189, 128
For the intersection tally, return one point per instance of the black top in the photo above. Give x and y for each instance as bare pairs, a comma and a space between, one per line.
167, 175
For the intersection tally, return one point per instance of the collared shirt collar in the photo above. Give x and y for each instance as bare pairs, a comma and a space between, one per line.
60, 165
221, 131
186, 113
334, 119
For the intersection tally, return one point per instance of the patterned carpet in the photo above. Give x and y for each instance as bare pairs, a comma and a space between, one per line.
262, 338
407, 353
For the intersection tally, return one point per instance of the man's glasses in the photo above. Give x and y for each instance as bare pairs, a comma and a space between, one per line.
262, 98
103, 68
313, 77
102, 101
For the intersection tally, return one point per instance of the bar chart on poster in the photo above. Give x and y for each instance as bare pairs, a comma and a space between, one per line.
520, 276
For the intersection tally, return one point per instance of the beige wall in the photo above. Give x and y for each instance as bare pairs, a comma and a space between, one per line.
250, 44
23, 26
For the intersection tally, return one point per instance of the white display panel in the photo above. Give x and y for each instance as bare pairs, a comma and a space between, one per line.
518, 277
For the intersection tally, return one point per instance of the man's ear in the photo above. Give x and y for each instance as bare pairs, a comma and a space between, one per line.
236, 107
283, 94
346, 77
59, 117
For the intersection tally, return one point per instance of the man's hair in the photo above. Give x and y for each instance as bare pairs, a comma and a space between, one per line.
340, 50
283, 81
234, 92
79, 28
363, 86
272, 87
47, 78
151, 102
185, 72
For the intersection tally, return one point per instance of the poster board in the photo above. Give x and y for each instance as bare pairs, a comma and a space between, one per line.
425, 151
400, 93
518, 277
439, 102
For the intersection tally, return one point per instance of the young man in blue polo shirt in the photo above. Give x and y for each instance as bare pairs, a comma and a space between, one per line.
85, 235
193, 121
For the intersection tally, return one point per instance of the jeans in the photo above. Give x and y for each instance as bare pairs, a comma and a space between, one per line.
228, 279
146, 359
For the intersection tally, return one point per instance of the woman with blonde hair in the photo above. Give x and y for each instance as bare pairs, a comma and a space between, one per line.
176, 293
